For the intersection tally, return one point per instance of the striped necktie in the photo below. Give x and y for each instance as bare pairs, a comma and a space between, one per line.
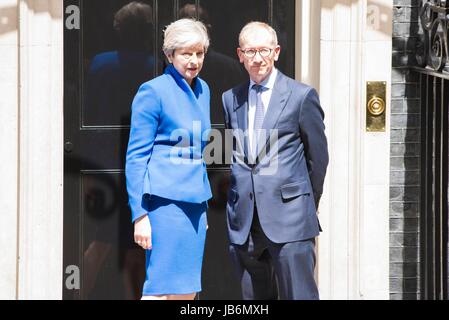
259, 117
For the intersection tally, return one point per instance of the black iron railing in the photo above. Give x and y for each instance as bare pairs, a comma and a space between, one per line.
433, 50
433, 70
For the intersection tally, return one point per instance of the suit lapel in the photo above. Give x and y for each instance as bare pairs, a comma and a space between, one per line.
281, 94
195, 94
241, 109
279, 98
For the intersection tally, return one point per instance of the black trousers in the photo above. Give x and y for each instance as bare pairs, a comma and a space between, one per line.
271, 271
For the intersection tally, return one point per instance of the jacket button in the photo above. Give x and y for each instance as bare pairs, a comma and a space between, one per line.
251, 196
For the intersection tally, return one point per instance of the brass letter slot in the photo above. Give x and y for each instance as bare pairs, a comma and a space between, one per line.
376, 106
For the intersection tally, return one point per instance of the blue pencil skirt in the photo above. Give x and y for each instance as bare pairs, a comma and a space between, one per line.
173, 265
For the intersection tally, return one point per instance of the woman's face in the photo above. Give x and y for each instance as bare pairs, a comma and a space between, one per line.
188, 61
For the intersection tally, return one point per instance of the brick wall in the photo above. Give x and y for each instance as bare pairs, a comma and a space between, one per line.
405, 152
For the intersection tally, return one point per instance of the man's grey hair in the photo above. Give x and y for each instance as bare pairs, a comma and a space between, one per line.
184, 33
253, 27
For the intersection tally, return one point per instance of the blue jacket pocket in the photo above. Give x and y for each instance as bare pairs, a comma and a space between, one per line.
233, 196
294, 190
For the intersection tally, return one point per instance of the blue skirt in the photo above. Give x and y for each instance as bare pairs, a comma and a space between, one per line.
173, 265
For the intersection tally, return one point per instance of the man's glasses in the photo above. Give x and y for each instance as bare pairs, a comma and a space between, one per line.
251, 53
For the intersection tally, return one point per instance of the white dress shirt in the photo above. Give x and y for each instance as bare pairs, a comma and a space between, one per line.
268, 83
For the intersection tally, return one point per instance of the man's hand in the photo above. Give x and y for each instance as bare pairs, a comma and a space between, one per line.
142, 232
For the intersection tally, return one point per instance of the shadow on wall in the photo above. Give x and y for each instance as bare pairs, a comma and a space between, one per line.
8, 19
377, 13
405, 154
9, 15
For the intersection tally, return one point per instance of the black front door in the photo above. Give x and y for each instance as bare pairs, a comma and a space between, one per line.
106, 60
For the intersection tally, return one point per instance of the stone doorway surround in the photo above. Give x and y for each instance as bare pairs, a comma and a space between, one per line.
355, 47
31, 136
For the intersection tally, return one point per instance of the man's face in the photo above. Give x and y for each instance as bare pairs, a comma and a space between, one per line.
259, 66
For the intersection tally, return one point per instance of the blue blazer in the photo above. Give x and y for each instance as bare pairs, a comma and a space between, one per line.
286, 183
170, 124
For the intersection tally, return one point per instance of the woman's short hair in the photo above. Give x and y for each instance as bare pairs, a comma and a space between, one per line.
185, 33
253, 27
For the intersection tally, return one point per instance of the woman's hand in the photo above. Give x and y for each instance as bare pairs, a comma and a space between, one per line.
142, 232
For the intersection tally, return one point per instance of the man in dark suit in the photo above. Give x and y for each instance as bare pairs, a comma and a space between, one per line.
277, 174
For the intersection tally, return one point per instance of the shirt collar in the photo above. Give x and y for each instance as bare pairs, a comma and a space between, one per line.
268, 82
172, 70
182, 82
178, 76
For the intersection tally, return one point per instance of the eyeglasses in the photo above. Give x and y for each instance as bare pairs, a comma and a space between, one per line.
251, 53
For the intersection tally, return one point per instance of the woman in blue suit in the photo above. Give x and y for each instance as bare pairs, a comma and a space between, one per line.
166, 176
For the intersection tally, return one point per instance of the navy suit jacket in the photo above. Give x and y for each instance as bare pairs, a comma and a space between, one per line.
286, 181
170, 124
